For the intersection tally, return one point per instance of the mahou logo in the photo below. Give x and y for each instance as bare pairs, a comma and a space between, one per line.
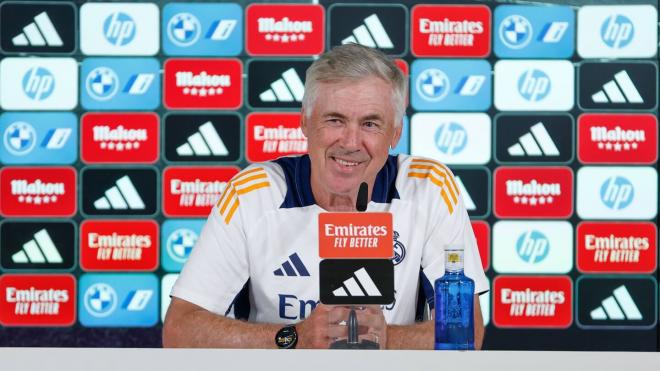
38, 191
451, 30
272, 135
119, 245
533, 192
533, 301
481, 231
193, 191
37, 300
119, 138
203, 83
617, 247
285, 29
617, 138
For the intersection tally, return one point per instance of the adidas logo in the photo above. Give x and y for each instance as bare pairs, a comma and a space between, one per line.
288, 267
360, 284
41, 249
467, 199
371, 34
121, 197
41, 32
619, 90
204, 142
537, 142
137, 300
619, 306
286, 89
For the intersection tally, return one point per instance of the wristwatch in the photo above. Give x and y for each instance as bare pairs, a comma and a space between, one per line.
286, 337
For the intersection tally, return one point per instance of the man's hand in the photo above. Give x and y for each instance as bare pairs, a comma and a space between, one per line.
327, 324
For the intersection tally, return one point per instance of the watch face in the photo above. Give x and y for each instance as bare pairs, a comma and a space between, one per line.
286, 338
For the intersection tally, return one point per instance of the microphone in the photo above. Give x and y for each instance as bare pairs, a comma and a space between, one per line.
362, 197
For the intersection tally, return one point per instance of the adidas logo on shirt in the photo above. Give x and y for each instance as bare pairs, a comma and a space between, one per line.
39, 33
204, 142
619, 90
286, 89
371, 33
40, 249
536, 142
121, 197
619, 306
293, 267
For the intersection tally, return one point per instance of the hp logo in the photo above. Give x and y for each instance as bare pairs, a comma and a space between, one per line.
100, 300
432, 84
617, 192
534, 85
532, 246
184, 29
180, 243
617, 31
119, 29
450, 138
102, 83
20, 138
38, 83
515, 31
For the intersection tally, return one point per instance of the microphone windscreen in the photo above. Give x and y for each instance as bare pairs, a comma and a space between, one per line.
362, 197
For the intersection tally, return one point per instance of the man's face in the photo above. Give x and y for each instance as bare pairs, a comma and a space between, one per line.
349, 131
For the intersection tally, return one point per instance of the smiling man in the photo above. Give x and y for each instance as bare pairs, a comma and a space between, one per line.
257, 256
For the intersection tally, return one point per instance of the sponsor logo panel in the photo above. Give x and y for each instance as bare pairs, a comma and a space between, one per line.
38, 138
534, 138
534, 85
451, 31
451, 138
285, 29
532, 301
167, 283
38, 191
355, 235
356, 281
534, 31
532, 247
111, 83
380, 26
119, 245
474, 186
119, 138
617, 31
276, 83
45, 27
38, 83
118, 300
119, 29
37, 246
617, 247
178, 238
617, 86
616, 302
272, 135
193, 191
42, 300
202, 29
533, 192
481, 231
451, 85
617, 192
617, 138
119, 191
203, 83
202, 138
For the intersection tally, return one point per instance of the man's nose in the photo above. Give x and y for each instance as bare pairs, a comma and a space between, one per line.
351, 136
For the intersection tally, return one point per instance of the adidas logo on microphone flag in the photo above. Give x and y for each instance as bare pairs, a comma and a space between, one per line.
356, 281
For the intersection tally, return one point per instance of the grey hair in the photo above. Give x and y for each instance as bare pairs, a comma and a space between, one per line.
355, 62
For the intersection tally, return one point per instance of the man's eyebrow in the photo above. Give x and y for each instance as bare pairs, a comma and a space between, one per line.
333, 114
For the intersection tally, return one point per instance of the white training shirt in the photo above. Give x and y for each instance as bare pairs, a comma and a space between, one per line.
263, 235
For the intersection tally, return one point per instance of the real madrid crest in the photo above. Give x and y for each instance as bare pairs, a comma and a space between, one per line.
399, 249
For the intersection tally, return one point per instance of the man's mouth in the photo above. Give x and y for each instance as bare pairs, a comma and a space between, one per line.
346, 163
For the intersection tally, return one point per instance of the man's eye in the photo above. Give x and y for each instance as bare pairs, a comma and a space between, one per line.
371, 124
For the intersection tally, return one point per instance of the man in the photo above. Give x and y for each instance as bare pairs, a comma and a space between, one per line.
266, 220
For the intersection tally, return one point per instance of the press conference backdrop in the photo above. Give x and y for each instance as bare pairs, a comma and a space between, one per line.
122, 123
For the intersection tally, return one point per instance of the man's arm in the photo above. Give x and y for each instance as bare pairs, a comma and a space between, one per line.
421, 335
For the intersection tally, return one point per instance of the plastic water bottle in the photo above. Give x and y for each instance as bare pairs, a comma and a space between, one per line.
454, 306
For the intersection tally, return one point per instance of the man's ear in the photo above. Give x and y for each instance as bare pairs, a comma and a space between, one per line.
397, 135
303, 122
